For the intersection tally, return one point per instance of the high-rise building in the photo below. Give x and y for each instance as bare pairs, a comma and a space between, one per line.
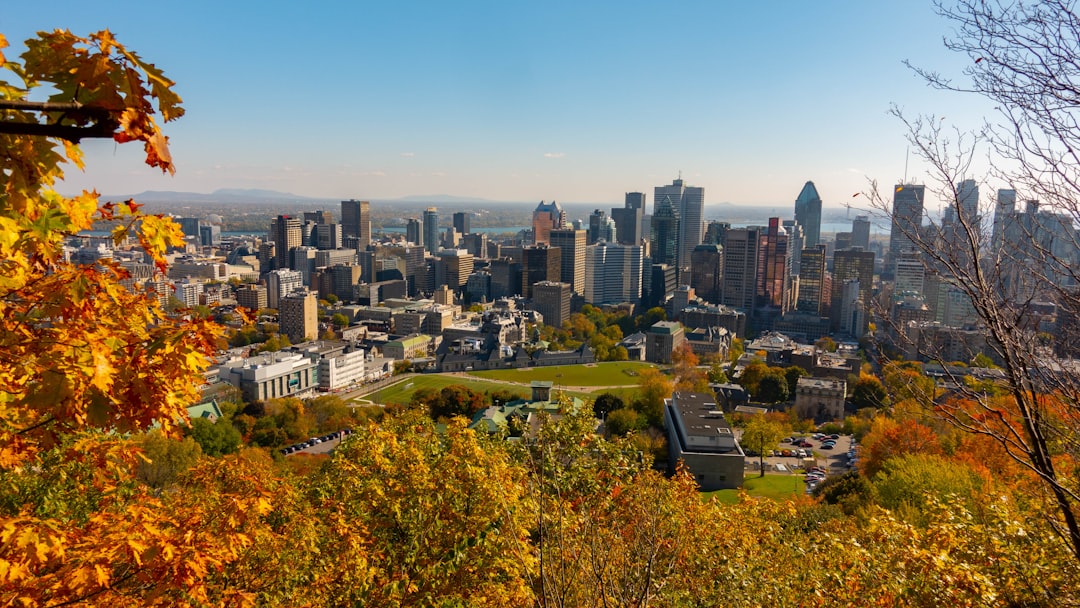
910, 275
431, 229
280, 283
343, 280
298, 314
906, 221
1006, 206
251, 296
774, 268
415, 269
459, 265
318, 217
461, 222
707, 271
572, 269
612, 273
547, 217
628, 219
808, 214
715, 232
356, 222
475, 243
552, 300
601, 228
505, 278
796, 239
286, 232
740, 268
189, 226
328, 236
812, 294
852, 264
413, 233
689, 205
539, 263
664, 241
860, 232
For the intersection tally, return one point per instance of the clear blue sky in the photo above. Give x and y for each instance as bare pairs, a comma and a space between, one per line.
576, 101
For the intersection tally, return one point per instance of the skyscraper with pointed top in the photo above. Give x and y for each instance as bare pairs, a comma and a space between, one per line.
808, 214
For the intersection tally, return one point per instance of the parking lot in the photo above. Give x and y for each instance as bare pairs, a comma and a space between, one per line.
834, 460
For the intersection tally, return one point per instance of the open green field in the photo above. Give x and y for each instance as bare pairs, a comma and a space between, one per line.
402, 392
617, 373
776, 487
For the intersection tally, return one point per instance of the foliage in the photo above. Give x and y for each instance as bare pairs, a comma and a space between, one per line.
906, 484
624, 420
772, 388
868, 392
339, 320
606, 403
216, 438
688, 376
654, 388
827, 344
165, 458
450, 401
762, 435
889, 439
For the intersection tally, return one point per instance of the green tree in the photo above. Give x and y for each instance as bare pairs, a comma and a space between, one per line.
868, 392
624, 420
339, 320
772, 388
606, 403
762, 435
792, 374
166, 458
215, 438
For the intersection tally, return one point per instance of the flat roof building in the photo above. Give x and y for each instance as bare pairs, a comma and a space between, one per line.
699, 435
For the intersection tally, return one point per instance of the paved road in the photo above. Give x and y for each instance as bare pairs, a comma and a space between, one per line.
834, 460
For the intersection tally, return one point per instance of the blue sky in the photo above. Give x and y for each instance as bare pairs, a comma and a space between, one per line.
576, 101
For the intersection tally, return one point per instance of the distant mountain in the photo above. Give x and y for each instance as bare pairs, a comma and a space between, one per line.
222, 195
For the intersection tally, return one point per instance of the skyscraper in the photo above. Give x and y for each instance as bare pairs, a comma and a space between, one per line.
689, 205
539, 263
707, 271
413, 233
852, 264
808, 214
552, 300
628, 219
613, 273
812, 293
664, 241
572, 267
860, 232
906, 220
1006, 206
740, 268
356, 222
287, 233
547, 217
461, 222
298, 314
774, 268
431, 229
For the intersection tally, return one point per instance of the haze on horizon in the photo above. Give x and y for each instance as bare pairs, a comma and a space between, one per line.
510, 102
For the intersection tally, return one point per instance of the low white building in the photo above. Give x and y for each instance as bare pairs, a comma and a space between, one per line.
342, 370
272, 375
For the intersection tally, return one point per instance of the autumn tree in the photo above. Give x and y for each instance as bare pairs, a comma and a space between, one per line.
762, 435
868, 392
688, 376
1021, 58
654, 388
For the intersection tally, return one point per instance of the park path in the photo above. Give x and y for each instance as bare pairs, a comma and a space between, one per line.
356, 396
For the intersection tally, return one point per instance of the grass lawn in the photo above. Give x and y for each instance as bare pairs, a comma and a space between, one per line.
616, 373
776, 487
402, 391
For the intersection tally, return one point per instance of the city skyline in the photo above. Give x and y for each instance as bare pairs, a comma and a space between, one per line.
522, 103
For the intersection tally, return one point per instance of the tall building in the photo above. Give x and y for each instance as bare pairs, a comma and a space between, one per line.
505, 278
461, 222
796, 242
287, 233
413, 233
356, 222
707, 271
740, 268
298, 314
280, 283
613, 273
860, 232
808, 213
774, 268
1005, 207
459, 265
431, 229
547, 217
689, 205
539, 263
343, 280
906, 220
251, 296
318, 217
328, 236
664, 241
552, 300
628, 219
601, 228
812, 294
415, 269
715, 232
572, 269
852, 264
658, 282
